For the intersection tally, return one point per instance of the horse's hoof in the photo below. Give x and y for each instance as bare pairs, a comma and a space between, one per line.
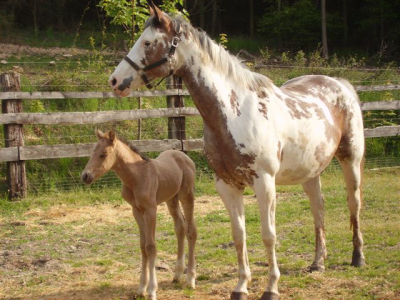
238, 296
269, 296
357, 260
316, 268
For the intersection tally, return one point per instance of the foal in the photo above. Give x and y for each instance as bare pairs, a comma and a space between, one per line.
145, 184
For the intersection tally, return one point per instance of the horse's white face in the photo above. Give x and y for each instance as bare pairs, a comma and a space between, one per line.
153, 45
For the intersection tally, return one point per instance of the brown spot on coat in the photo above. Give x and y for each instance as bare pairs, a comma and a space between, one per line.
263, 109
234, 103
222, 151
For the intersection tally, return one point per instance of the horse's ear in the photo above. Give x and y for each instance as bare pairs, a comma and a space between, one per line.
158, 15
99, 134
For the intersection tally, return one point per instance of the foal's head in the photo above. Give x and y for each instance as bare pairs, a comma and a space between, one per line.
153, 47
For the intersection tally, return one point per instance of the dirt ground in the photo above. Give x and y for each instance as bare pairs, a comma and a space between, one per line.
7, 50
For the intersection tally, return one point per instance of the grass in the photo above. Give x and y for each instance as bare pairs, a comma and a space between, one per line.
84, 245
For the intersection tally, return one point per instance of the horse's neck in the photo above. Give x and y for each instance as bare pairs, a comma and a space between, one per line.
125, 161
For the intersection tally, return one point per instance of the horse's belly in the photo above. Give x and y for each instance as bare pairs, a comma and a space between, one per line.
298, 166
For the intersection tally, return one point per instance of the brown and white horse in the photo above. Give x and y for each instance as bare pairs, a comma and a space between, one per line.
256, 134
145, 184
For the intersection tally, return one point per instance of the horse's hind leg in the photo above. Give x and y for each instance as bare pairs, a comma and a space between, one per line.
191, 235
179, 225
352, 170
313, 191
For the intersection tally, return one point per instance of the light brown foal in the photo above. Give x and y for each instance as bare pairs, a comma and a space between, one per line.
145, 184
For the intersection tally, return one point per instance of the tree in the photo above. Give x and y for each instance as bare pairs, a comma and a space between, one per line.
132, 14
324, 35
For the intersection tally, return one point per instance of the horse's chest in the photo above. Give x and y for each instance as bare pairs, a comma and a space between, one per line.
227, 161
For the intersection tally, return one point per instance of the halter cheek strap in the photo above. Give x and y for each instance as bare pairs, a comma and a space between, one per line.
142, 71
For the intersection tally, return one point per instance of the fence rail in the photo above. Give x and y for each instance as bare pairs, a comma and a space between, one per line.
18, 152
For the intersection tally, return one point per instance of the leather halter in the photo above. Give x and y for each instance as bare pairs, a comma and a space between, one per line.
142, 71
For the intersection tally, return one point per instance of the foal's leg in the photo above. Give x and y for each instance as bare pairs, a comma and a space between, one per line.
233, 200
179, 225
149, 216
144, 276
352, 170
264, 187
191, 235
313, 191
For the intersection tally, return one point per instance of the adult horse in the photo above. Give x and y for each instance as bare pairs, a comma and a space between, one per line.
256, 134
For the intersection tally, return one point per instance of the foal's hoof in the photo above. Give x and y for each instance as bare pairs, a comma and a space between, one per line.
238, 296
269, 296
358, 259
316, 268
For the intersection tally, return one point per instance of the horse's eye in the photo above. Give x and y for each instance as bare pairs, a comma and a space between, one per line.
103, 155
147, 44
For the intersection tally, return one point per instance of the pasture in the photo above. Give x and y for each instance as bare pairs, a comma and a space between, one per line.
85, 245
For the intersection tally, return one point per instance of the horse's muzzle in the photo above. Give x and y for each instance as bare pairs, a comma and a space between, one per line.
87, 177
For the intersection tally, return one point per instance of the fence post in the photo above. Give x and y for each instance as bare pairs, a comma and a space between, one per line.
176, 125
13, 134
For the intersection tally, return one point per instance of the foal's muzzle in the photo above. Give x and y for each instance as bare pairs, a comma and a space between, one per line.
87, 177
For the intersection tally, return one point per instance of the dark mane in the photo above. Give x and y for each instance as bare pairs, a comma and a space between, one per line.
133, 148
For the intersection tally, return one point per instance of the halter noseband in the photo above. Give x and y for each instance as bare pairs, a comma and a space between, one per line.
142, 71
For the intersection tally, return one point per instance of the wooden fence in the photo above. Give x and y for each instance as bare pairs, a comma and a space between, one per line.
13, 119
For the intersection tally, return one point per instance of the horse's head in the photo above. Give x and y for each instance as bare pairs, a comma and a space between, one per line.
102, 158
152, 55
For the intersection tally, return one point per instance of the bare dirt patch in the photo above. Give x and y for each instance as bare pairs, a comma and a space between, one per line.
7, 50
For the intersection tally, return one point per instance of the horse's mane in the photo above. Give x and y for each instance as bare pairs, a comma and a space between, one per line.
222, 60
133, 148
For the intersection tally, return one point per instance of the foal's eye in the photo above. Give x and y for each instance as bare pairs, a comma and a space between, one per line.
103, 155
147, 44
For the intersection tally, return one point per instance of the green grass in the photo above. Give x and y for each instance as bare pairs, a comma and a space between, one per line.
89, 244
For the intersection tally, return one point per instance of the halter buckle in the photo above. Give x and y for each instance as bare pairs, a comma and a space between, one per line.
140, 72
175, 41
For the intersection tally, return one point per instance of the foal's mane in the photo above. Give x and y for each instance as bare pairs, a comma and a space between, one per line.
222, 60
133, 148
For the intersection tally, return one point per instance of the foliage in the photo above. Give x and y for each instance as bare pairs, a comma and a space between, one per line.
297, 26
132, 15
223, 40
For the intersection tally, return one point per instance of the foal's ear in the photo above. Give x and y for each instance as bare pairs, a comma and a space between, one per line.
111, 136
100, 135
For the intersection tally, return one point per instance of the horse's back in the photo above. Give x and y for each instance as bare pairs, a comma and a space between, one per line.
326, 114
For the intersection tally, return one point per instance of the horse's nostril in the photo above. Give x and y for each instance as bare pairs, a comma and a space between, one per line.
84, 177
114, 81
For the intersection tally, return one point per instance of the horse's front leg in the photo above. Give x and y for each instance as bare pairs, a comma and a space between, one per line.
233, 200
264, 187
144, 276
149, 216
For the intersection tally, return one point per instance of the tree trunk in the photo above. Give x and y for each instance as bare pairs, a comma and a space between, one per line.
214, 17
35, 25
133, 20
382, 28
202, 18
324, 36
251, 23
345, 26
